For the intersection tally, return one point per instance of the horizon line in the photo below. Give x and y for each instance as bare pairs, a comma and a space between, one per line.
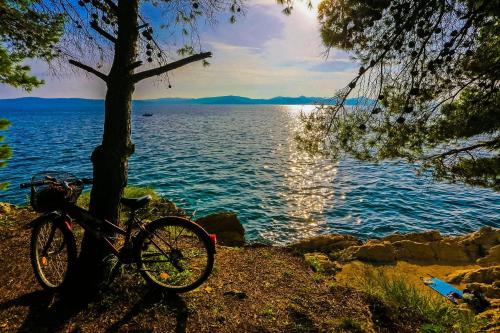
157, 98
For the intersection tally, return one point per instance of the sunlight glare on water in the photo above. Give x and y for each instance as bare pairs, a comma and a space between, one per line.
307, 183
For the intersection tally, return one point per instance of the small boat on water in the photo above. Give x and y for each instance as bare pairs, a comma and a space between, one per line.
147, 114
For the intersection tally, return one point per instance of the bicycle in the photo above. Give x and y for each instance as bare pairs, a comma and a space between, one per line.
172, 253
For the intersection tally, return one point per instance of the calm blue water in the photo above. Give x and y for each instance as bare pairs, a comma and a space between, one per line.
243, 159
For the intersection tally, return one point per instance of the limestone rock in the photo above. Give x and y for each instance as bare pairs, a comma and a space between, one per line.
325, 243
6, 208
478, 243
487, 290
482, 247
484, 275
422, 237
372, 252
226, 226
457, 276
412, 251
492, 258
488, 275
449, 252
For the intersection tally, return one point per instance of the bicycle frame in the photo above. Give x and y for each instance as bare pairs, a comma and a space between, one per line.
99, 228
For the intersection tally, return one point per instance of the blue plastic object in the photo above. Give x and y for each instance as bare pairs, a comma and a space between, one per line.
445, 289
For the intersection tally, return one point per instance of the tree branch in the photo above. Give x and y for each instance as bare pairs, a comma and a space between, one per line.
171, 66
102, 32
486, 144
89, 69
134, 65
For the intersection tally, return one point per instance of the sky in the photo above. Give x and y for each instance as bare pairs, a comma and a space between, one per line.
264, 54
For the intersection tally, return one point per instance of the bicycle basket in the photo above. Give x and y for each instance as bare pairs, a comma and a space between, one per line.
50, 197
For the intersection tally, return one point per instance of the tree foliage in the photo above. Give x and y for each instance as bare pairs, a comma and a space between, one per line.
25, 33
428, 86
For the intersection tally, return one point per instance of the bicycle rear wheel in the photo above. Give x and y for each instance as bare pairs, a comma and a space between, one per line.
53, 252
174, 254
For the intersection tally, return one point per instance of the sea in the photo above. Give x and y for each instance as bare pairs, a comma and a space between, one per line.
244, 159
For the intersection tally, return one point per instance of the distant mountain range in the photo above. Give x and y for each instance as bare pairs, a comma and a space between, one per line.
32, 102
280, 100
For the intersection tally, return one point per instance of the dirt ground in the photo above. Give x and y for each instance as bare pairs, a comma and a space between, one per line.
254, 289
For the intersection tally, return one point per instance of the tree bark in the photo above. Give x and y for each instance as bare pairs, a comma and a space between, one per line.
110, 159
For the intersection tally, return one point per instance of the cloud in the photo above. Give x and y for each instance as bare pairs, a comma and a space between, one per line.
334, 66
253, 29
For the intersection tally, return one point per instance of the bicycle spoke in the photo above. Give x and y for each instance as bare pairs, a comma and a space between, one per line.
182, 263
153, 261
53, 257
175, 241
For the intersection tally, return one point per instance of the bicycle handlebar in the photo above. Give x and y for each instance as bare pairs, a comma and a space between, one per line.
87, 181
26, 185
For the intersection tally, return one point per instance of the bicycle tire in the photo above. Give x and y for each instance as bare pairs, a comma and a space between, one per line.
169, 267
62, 240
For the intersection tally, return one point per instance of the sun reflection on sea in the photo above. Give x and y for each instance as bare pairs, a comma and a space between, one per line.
307, 184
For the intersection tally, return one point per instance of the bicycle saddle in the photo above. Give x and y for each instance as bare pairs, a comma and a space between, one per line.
136, 203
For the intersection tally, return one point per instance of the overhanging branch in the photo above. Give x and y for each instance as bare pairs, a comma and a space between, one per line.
488, 144
102, 32
171, 66
90, 70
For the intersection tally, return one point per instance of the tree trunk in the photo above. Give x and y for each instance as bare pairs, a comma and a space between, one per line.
110, 159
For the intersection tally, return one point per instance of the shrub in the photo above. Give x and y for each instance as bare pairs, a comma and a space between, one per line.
129, 192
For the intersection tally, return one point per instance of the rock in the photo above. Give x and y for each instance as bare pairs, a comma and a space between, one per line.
412, 251
487, 290
486, 237
478, 243
482, 247
449, 253
457, 276
484, 275
423, 237
320, 263
373, 252
492, 258
488, 275
6, 208
325, 243
226, 226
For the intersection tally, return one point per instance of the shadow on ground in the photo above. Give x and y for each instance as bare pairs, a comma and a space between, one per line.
48, 312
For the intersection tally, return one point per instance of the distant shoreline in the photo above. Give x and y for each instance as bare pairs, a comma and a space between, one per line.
216, 100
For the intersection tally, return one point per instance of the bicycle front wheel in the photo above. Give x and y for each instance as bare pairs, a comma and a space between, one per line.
174, 254
53, 253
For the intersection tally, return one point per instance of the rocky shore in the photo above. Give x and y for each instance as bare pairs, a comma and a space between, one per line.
469, 261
